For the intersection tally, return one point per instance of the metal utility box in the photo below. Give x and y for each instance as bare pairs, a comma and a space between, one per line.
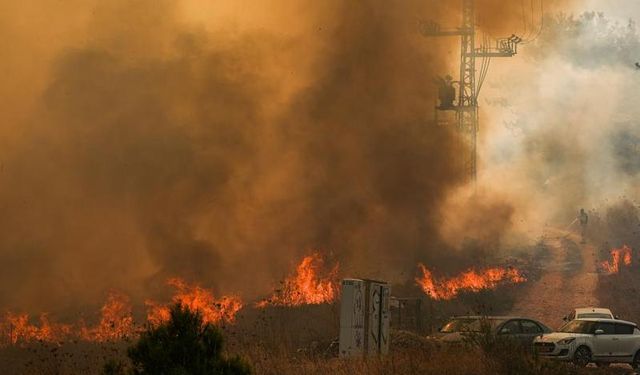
352, 311
377, 317
364, 318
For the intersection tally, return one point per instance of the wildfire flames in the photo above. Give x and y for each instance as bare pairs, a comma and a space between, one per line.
309, 285
116, 318
115, 323
306, 286
196, 298
471, 280
623, 253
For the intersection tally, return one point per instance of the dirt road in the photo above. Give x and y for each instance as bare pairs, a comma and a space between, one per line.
569, 280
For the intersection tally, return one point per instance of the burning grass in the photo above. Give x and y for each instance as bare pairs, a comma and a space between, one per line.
116, 320
311, 284
619, 257
286, 340
115, 323
289, 333
213, 310
470, 280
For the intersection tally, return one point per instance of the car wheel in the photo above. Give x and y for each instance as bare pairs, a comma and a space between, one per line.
582, 356
636, 361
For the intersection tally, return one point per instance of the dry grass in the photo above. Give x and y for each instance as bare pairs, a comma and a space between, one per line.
405, 362
436, 362
407, 358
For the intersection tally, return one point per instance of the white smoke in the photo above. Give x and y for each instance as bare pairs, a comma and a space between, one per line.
560, 121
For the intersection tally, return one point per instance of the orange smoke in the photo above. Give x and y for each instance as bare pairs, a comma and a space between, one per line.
214, 311
614, 267
306, 286
471, 280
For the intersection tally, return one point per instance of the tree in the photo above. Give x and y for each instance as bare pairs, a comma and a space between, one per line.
184, 345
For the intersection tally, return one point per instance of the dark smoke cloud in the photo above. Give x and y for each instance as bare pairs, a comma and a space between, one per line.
158, 149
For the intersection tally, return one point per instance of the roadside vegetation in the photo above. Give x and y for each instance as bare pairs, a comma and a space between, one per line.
183, 345
493, 359
410, 354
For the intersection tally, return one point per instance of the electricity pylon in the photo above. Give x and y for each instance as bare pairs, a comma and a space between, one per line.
467, 106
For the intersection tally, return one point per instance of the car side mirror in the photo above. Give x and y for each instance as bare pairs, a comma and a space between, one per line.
599, 332
616, 317
566, 318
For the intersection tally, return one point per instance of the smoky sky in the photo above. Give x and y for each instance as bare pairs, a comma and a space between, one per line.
155, 149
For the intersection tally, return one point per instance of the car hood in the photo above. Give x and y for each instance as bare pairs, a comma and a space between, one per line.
450, 337
557, 336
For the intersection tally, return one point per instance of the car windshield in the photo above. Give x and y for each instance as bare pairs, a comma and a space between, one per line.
579, 326
594, 315
468, 324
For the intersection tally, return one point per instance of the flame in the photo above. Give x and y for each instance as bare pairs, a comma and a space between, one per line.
116, 318
17, 329
306, 287
116, 323
470, 280
614, 267
214, 311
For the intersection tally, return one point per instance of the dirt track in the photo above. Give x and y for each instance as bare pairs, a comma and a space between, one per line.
569, 280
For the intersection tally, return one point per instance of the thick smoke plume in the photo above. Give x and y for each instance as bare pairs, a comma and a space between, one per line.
569, 140
150, 139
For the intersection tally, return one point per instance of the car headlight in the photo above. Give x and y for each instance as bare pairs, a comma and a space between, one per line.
566, 341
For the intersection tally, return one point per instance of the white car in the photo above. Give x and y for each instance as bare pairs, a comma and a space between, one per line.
599, 341
590, 312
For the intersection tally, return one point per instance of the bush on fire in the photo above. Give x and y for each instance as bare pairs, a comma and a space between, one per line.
184, 345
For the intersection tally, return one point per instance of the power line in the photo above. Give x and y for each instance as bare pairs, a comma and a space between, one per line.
537, 35
524, 20
484, 65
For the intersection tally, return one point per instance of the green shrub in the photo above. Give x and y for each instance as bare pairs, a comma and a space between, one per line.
183, 345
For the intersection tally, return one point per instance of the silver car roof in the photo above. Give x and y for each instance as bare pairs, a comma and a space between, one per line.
582, 310
608, 321
492, 317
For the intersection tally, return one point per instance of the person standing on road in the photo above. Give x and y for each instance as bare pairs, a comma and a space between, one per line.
584, 219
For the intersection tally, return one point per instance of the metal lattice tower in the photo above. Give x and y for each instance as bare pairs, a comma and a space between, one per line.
467, 102
467, 106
